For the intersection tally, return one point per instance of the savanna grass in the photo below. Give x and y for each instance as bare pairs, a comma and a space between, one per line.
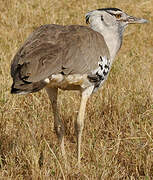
118, 132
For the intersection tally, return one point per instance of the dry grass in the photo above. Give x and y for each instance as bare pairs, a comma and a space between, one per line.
118, 133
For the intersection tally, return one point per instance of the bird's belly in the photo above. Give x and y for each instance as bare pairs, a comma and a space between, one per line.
68, 82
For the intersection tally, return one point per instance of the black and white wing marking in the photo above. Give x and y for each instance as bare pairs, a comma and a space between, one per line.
99, 75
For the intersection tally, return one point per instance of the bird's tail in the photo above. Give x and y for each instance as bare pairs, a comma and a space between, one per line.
21, 86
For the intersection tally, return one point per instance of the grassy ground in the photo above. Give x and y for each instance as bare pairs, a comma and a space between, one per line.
118, 133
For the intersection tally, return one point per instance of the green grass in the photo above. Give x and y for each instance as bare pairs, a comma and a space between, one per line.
118, 133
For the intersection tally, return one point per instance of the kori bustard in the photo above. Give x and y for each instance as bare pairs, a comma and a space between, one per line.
71, 57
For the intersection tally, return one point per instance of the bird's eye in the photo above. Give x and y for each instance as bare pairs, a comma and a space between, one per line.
102, 18
118, 16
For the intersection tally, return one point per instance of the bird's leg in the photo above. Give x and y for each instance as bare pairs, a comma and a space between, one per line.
80, 119
58, 124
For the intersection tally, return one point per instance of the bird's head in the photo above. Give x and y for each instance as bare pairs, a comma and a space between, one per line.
111, 22
111, 18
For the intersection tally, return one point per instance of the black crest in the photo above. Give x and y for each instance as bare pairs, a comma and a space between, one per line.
107, 9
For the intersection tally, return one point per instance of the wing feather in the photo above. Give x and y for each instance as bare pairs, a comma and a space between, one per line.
54, 49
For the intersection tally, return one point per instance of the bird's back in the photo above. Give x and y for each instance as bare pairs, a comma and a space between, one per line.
55, 49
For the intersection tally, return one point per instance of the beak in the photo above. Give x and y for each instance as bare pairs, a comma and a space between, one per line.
134, 20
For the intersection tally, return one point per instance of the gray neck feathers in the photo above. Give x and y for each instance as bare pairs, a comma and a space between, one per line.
112, 36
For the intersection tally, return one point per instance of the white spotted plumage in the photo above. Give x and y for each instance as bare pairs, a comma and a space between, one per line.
100, 74
103, 67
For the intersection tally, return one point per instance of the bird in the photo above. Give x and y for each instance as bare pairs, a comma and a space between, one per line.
70, 57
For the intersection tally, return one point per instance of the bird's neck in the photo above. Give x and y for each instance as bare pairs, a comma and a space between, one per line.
113, 38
